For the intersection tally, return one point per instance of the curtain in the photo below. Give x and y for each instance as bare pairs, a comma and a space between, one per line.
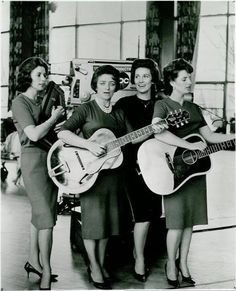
29, 36
153, 45
188, 18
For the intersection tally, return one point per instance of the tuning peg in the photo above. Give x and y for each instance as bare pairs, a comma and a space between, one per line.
186, 121
177, 125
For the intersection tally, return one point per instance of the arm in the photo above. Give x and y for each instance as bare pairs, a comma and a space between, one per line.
171, 139
36, 132
71, 138
213, 137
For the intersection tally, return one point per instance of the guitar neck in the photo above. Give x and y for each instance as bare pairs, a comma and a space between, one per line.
132, 136
229, 144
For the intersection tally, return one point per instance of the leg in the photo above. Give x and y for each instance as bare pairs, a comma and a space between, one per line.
184, 250
34, 258
102, 243
45, 246
91, 248
173, 242
140, 236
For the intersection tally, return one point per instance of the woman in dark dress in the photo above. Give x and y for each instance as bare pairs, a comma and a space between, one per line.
103, 205
187, 206
26, 109
139, 111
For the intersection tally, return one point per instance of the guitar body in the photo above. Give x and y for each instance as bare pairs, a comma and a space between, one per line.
166, 168
74, 170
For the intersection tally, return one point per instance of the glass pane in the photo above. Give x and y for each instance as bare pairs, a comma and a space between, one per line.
132, 10
5, 16
4, 102
213, 7
230, 101
64, 13
5, 58
232, 6
62, 45
212, 50
98, 12
99, 41
134, 40
210, 97
231, 51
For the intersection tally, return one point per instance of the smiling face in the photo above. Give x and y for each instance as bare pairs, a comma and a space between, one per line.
143, 80
182, 84
106, 86
39, 78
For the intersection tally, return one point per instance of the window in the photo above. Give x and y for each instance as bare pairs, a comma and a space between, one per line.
103, 29
214, 89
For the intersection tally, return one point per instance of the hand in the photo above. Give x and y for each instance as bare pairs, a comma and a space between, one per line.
96, 149
57, 112
200, 145
159, 128
58, 126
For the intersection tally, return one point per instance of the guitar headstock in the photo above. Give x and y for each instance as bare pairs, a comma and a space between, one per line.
177, 118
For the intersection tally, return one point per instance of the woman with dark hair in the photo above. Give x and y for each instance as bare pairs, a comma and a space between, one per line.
103, 206
26, 109
187, 206
139, 110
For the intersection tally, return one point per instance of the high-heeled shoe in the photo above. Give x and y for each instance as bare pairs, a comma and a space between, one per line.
174, 283
99, 285
141, 278
30, 269
185, 279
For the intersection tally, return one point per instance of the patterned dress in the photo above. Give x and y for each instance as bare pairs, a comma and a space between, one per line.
187, 206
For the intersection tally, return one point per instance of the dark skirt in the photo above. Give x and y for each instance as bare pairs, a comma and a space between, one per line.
105, 209
40, 189
145, 204
187, 206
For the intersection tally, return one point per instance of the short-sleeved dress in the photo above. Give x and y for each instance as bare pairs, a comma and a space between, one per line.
105, 209
188, 205
40, 189
145, 204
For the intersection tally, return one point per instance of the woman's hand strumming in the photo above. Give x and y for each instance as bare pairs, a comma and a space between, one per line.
96, 149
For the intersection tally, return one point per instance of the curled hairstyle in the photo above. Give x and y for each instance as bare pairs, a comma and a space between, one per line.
23, 78
145, 63
108, 70
171, 71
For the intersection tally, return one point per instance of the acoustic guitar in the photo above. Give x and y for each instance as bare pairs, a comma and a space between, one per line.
74, 170
166, 168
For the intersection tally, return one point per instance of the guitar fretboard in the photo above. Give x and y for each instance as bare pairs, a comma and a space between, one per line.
216, 147
129, 137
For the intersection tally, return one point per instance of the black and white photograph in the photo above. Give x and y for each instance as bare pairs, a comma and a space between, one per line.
118, 145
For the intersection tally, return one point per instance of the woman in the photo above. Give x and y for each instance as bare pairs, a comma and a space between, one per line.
187, 206
139, 111
103, 205
31, 81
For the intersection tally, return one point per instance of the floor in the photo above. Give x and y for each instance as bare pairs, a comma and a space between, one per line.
211, 258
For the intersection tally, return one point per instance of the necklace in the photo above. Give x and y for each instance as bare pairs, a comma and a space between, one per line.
146, 103
106, 109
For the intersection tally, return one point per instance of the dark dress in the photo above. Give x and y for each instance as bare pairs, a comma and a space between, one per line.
104, 207
187, 206
145, 204
40, 189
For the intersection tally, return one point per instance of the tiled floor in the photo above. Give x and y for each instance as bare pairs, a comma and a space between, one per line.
211, 258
